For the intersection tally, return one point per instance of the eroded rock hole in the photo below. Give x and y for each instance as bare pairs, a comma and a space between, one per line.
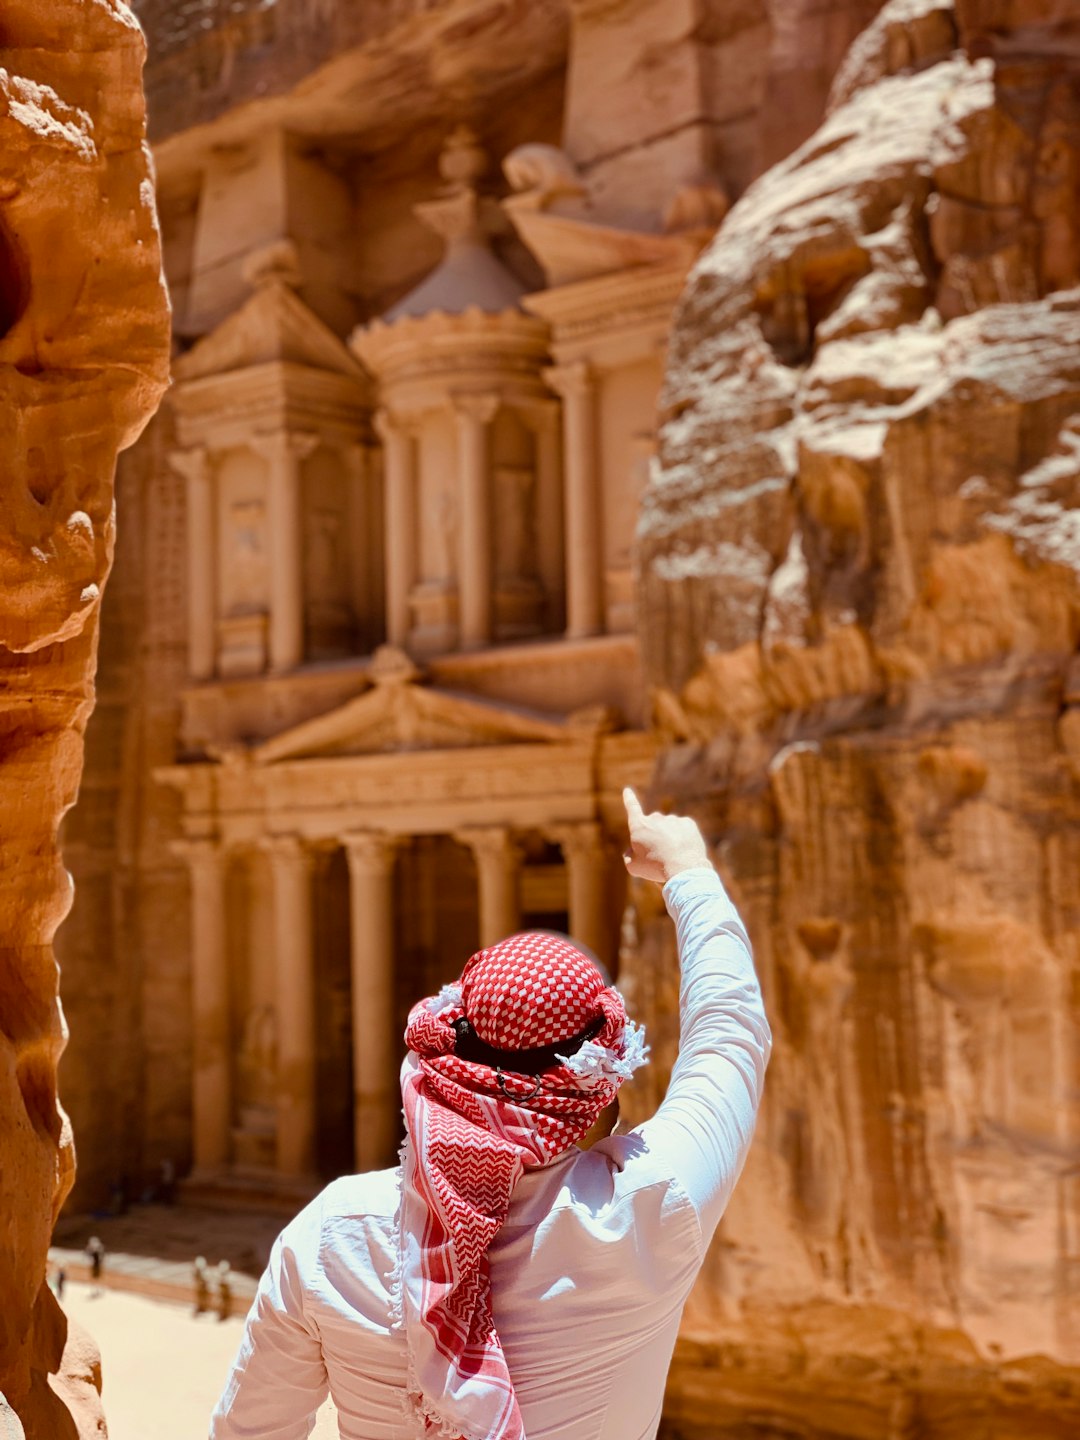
797, 300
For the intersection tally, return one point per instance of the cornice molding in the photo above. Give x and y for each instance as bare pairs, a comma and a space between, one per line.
639, 298
278, 394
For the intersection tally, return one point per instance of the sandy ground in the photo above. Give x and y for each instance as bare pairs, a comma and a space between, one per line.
163, 1369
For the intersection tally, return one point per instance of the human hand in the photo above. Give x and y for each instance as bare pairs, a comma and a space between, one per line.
661, 845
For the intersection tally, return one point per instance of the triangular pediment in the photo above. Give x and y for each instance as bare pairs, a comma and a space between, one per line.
398, 713
572, 248
274, 324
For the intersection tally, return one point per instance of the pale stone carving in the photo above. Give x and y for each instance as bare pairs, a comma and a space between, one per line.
544, 171
83, 363
456, 346
287, 221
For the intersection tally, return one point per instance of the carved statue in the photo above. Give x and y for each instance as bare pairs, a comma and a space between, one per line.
545, 170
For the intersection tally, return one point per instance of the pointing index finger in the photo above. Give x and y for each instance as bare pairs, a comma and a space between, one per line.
633, 805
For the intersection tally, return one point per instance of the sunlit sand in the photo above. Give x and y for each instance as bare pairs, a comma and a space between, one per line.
163, 1369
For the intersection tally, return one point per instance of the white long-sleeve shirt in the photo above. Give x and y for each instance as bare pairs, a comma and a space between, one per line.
589, 1273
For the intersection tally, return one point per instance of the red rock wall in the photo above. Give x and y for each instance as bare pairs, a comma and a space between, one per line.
208, 56
859, 564
83, 362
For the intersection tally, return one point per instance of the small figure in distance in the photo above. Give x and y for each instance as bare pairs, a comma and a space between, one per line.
201, 1282
95, 1253
224, 1290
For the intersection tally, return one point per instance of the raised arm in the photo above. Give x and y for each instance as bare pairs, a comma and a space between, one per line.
278, 1380
704, 1127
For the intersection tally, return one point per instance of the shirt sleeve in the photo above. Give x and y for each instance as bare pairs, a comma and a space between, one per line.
703, 1129
278, 1380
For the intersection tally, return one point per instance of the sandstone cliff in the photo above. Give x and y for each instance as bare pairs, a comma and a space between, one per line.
83, 362
860, 568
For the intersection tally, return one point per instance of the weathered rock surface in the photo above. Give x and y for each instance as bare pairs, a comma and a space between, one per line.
83, 362
860, 567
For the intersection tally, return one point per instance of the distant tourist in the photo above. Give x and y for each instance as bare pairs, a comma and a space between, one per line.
523, 1273
202, 1285
224, 1291
95, 1253
57, 1280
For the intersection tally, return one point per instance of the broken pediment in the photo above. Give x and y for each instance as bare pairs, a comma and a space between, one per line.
274, 324
398, 712
571, 239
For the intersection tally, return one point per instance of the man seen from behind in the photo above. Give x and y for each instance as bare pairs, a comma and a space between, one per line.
521, 1276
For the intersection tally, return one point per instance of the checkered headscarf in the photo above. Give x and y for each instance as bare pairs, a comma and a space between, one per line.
474, 1125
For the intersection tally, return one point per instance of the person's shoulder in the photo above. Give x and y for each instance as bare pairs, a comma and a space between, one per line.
619, 1170
372, 1195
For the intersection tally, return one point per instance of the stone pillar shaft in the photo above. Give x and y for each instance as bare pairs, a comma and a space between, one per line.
285, 453
474, 415
211, 1040
584, 577
194, 466
294, 984
586, 867
497, 863
376, 1100
400, 509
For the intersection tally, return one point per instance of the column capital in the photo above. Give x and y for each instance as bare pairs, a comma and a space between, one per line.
477, 407
287, 849
393, 424
203, 851
192, 464
371, 852
490, 842
386, 425
575, 379
296, 444
578, 838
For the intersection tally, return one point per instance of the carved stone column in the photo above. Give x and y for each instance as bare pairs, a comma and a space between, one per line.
211, 1041
474, 414
294, 988
581, 477
285, 452
400, 507
586, 866
376, 1100
498, 860
194, 467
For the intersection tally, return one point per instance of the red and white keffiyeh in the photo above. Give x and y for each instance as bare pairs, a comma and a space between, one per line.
473, 1128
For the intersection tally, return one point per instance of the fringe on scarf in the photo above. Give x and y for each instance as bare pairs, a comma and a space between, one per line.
414, 1403
601, 1062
